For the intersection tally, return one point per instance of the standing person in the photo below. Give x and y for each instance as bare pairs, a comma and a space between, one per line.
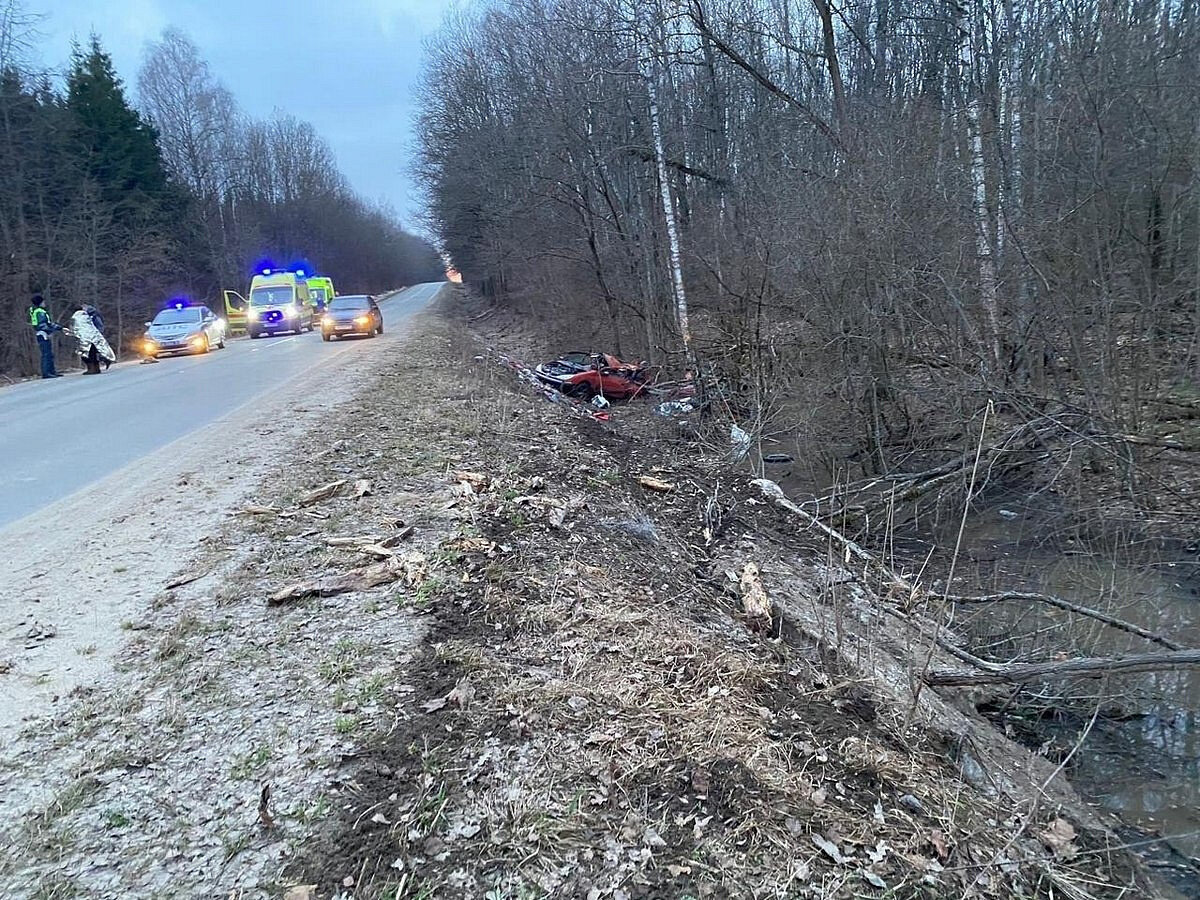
98, 321
93, 348
43, 328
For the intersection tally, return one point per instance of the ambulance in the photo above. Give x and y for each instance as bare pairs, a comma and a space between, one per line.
320, 290
279, 301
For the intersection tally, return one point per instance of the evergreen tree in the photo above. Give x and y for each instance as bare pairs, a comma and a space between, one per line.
117, 149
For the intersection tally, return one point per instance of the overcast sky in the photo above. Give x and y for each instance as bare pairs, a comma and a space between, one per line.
354, 75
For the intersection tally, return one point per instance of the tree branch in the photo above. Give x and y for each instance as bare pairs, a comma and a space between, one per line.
1050, 600
1087, 667
696, 14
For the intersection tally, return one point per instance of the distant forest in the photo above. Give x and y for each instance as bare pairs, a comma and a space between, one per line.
123, 204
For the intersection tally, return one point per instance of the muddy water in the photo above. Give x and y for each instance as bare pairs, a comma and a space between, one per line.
1141, 759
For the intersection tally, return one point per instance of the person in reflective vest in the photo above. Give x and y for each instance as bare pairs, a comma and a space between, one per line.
43, 327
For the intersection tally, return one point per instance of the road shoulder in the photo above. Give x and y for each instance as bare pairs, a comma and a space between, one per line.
154, 778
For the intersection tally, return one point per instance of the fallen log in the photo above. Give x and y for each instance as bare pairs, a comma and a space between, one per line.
1058, 602
393, 568
1085, 667
1149, 440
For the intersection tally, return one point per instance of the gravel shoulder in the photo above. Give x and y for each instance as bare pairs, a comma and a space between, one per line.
143, 721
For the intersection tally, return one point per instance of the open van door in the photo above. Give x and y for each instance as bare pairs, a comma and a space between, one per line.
235, 311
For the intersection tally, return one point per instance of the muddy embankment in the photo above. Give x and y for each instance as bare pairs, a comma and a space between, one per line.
644, 677
1034, 534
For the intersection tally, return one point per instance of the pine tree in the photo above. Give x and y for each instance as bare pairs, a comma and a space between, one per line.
117, 149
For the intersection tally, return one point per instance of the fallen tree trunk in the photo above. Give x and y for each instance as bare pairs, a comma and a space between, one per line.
1086, 667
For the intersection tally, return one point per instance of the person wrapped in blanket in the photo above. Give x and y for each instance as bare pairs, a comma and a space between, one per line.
93, 348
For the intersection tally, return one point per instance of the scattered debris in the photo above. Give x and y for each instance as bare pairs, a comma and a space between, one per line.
775, 459
739, 442
362, 487
410, 567
38, 633
654, 483
255, 510
672, 409
264, 812
186, 579
355, 541
637, 525
755, 603
324, 492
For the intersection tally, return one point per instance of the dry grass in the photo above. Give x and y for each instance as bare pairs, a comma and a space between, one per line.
593, 718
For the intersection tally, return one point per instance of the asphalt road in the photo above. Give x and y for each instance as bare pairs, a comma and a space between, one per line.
59, 436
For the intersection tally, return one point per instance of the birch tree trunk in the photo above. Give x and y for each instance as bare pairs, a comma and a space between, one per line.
674, 255
985, 232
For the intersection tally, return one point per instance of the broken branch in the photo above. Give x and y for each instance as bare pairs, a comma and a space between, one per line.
1086, 667
1050, 600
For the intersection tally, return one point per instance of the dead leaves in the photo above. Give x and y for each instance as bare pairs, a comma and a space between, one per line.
468, 484
460, 695
829, 848
937, 840
1059, 838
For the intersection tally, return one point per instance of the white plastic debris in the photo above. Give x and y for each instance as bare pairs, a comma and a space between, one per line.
674, 408
739, 441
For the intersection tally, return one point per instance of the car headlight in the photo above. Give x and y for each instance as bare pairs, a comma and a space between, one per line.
362, 320
197, 341
150, 346
252, 315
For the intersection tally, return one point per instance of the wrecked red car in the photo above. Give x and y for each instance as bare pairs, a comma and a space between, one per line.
586, 375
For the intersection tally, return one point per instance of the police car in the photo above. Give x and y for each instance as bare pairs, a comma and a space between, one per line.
182, 327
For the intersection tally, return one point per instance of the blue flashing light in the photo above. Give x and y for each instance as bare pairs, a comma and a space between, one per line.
265, 265
300, 272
